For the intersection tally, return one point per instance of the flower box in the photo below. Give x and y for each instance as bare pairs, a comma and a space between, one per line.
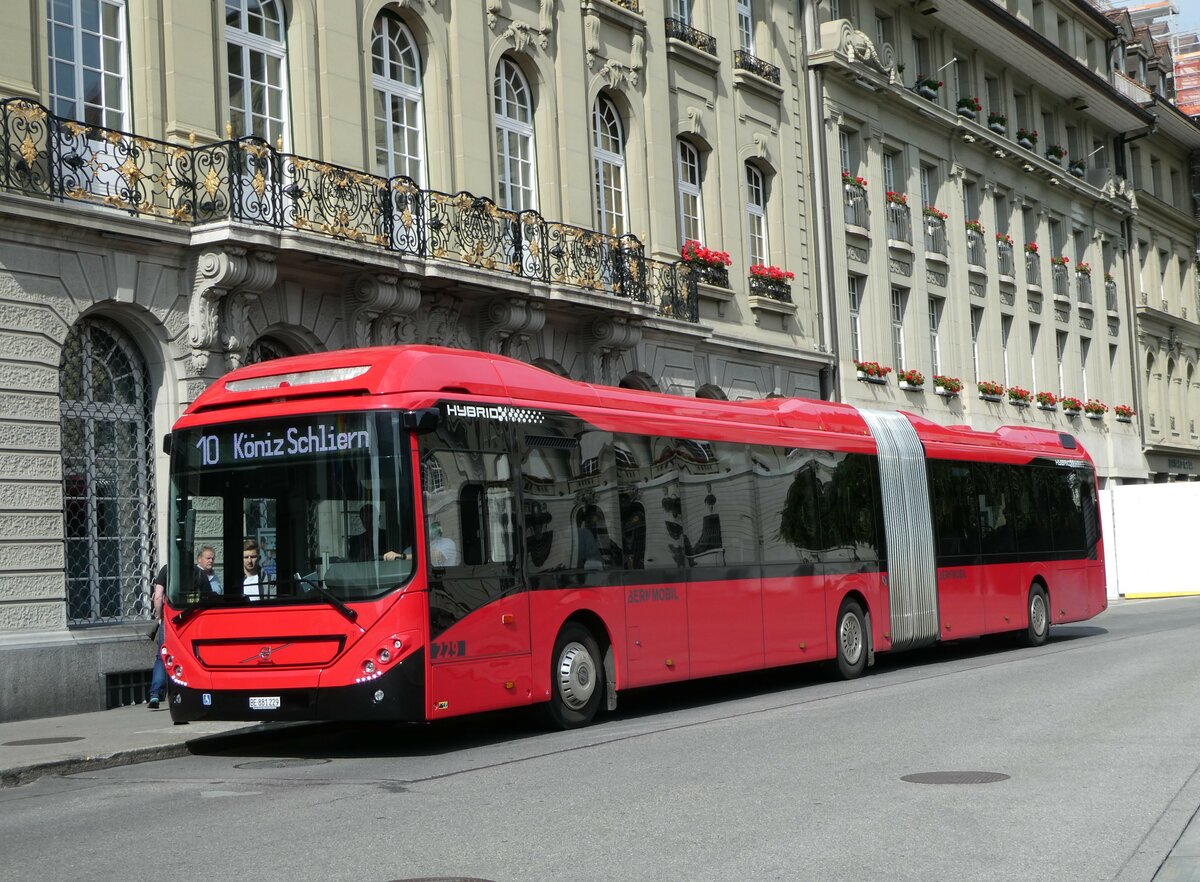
944, 392
1047, 407
1094, 416
1072, 411
1025, 142
871, 372
910, 387
774, 289
1124, 419
707, 274
864, 377
988, 396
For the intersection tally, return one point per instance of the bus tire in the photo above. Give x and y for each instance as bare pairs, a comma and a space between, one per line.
851, 640
1038, 607
576, 678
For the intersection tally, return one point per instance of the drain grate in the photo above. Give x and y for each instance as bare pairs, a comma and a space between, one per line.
281, 763
34, 742
955, 778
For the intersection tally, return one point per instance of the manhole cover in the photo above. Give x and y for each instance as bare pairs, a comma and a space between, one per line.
955, 778
33, 742
280, 763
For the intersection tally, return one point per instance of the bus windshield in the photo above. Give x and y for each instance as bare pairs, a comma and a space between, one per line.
306, 509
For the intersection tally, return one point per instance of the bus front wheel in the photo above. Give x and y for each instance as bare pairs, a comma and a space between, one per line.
851, 640
576, 678
1038, 630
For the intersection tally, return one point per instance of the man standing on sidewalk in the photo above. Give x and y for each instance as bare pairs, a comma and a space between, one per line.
158, 680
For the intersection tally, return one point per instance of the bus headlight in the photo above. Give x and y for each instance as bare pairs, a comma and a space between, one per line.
384, 655
368, 667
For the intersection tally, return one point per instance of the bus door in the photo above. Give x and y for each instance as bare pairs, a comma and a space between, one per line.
958, 505
479, 634
720, 543
1069, 499
654, 559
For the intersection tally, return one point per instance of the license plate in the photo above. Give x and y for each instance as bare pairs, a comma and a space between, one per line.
267, 702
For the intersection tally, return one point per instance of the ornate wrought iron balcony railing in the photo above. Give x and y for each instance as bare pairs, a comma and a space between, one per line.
743, 60
631, 5
681, 30
1110, 296
247, 181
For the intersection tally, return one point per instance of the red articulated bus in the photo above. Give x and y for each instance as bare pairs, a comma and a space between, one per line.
445, 532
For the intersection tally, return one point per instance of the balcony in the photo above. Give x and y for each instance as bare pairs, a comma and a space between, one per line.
678, 29
248, 182
975, 248
1005, 265
899, 223
773, 289
743, 60
1033, 272
1060, 281
1131, 88
1083, 288
935, 236
1110, 295
857, 212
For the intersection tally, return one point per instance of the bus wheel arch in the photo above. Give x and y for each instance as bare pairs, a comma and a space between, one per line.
852, 636
1037, 614
580, 666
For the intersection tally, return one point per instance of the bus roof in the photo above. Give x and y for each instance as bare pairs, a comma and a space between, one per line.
440, 372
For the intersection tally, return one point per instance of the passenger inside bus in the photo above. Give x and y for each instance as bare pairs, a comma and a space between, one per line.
442, 550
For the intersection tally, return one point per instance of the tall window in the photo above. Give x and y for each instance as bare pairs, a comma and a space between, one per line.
928, 185
1085, 346
976, 325
963, 87
745, 23
108, 482
935, 324
899, 301
1005, 333
687, 177
920, 59
399, 108
856, 288
87, 61
889, 172
682, 10
1060, 353
756, 214
515, 159
1034, 331
255, 54
608, 154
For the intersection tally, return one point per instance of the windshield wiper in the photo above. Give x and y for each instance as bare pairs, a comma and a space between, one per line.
334, 600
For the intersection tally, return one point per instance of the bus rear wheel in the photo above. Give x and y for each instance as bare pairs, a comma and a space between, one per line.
851, 638
576, 678
1038, 630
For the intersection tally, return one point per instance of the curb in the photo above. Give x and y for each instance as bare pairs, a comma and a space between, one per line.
18, 776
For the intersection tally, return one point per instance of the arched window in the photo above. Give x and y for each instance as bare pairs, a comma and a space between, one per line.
687, 177
756, 215
87, 61
108, 480
399, 102
255, 54
266, 349
608, 155
515, 159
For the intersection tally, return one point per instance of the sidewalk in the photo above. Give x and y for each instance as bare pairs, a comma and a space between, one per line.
30, 749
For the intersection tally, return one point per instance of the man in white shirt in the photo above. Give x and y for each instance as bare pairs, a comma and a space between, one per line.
254, 580
442, 550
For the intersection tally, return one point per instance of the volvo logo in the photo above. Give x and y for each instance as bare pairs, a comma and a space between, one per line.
264, 655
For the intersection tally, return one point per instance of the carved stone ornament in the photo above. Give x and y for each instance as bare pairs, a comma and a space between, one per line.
858, 47
441, 325
377, 306
508, 323
618, 75
604, 340
214, 316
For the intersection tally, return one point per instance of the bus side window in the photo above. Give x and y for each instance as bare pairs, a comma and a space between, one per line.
995, 508
955, 513
472, 503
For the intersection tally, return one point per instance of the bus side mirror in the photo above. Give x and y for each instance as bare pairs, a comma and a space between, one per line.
167, 443
422, 421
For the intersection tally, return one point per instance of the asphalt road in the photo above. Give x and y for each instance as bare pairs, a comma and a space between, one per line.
1092, 741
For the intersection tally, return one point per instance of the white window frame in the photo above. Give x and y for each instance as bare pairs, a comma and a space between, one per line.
273, 56
936, 305
682, 10
889, 172
899, 304
393, 46
608, 158
756, 216
1085, 345
687, 181
1006, 322
745, 25
976, 327
856, 295
516, 156
1034, 333
108, 78
1060, 348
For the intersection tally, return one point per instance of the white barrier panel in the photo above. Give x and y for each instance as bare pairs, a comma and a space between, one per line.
1148, 534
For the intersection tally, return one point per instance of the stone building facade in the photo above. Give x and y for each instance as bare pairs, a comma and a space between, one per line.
1011, 203
187, 187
